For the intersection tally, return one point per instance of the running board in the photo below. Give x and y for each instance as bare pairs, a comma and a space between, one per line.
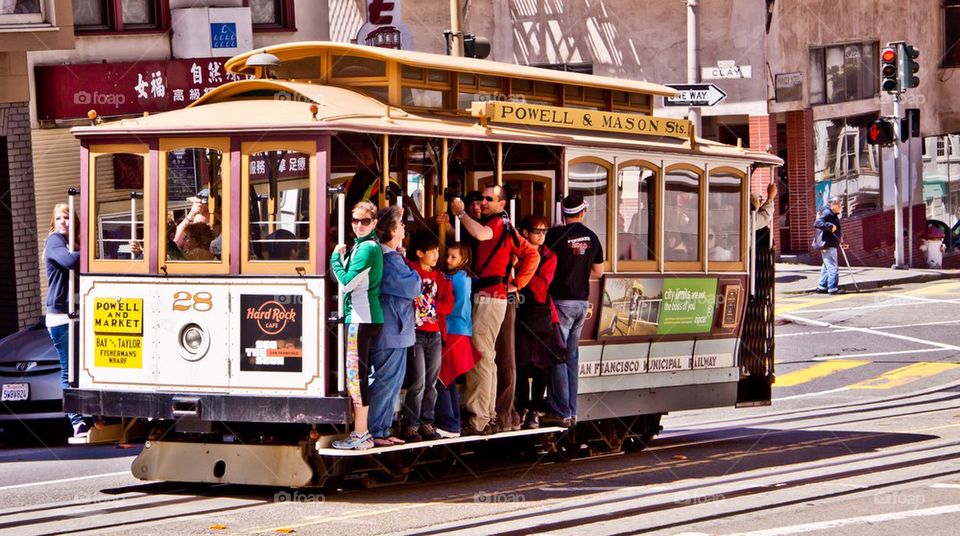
329, 451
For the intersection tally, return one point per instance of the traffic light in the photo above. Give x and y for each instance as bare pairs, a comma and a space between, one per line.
881, 133
475, 47
909, 67
889, 69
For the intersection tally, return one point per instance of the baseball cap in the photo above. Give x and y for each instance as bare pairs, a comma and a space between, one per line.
203, 196
574, 204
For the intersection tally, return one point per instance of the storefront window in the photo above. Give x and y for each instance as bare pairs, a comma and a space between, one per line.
843, 73
941, 178
846, 166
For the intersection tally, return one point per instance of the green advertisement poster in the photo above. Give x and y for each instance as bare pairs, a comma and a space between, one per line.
688, 306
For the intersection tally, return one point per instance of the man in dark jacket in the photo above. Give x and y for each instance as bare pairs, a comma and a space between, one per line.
829, 223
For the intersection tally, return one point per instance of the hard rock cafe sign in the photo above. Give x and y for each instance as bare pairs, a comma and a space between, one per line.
384, 26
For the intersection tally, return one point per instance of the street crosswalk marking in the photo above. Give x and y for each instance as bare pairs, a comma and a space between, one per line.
796, 304
904, 375
815, 372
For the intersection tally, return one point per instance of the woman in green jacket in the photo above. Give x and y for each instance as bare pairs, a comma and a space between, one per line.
359, 274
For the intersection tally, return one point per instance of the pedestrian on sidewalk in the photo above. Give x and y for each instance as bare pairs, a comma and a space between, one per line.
828, 223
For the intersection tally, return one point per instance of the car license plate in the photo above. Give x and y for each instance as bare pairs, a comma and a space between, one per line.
13, 392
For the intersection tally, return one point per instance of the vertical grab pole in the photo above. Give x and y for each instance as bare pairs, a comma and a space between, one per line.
71, 291
753, 252
341, 332
557, 217
133, 219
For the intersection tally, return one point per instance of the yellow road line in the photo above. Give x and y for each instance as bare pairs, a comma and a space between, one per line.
936, 288
904, 375
782, 308
820, 370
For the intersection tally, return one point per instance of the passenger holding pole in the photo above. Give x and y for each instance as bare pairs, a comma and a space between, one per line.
492, 262
360, 273
388, 360
59, 261
579, 257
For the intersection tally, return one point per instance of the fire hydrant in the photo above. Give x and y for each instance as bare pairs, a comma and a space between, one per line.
933, 247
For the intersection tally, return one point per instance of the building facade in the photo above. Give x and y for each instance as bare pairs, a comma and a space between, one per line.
25, 25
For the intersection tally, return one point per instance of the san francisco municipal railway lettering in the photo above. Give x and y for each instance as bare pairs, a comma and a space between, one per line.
118, 332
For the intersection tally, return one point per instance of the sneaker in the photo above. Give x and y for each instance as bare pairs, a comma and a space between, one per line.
355, 441
835, 291
469, 430
821, 290
428, 432
411, 434
445, 434
81, 429
492, 427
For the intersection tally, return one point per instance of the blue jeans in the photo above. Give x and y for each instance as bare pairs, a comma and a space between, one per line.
448, 408
563, 376
61, 341
387, 366
423, 368
830, 273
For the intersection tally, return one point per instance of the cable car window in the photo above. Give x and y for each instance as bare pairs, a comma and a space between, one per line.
682, 215
591, 180
194, 204
725, 209
636, 215
279, 206
118, 206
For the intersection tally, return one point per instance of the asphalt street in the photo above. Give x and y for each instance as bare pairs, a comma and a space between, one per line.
862, 437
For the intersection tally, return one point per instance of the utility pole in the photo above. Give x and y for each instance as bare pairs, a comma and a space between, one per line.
456, 29
693, 58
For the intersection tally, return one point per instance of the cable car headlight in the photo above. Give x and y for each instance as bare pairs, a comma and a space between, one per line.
194, 342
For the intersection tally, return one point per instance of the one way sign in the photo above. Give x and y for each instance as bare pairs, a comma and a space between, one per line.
695, 95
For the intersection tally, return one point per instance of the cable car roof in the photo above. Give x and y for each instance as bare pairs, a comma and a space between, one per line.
306, 49
274, 107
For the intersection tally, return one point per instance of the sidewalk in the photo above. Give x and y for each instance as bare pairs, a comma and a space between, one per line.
800, 278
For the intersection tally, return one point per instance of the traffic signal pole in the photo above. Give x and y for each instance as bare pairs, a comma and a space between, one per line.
897, 186
693, 59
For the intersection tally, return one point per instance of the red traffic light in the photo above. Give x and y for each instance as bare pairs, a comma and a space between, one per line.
888, 55
880, 133
889, 71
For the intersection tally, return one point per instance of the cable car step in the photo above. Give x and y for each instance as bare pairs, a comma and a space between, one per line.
329, 451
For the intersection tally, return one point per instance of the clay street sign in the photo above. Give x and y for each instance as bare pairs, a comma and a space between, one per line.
695, 95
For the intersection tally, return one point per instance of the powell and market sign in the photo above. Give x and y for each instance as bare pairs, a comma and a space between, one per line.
516, 113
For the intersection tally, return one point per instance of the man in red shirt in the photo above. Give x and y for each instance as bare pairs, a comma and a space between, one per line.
492, 262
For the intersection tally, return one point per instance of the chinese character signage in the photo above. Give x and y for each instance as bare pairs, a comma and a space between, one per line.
70, 91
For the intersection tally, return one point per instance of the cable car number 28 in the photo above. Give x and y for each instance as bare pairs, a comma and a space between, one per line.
200, 301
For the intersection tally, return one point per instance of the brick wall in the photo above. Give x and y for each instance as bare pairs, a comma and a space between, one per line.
763, 137
803, 208
20, 303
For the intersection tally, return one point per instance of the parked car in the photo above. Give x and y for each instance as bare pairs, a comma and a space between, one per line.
30, 376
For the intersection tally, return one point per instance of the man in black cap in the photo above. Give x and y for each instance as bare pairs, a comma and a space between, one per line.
579, 257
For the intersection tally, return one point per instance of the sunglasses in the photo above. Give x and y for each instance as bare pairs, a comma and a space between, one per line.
489, 199
362, 221
538, 231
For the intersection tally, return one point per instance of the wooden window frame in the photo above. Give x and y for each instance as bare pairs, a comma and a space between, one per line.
123, 266
686, 266
196, 267
287, 23
738, 265
306, 266
115, 20
653, 264
611, 217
